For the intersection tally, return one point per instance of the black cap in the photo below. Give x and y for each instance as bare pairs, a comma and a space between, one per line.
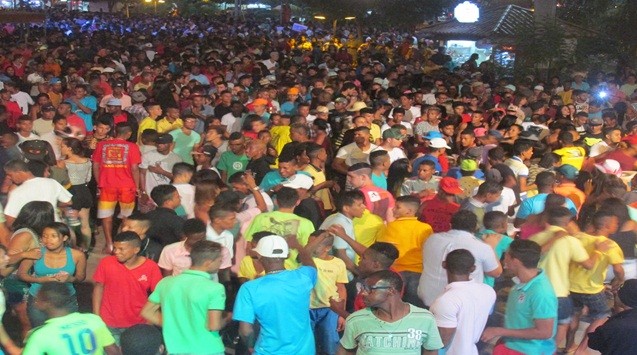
164, 138
48, 107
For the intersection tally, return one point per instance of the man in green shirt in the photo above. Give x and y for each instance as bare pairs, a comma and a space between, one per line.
235, 159
283, 222
64, 332
388, 325
191, 317
530, 321
186, 140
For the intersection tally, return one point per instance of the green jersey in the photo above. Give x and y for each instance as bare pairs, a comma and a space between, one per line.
370, 335
72, 334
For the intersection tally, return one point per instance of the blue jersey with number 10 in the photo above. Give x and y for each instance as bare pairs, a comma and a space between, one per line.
73, 334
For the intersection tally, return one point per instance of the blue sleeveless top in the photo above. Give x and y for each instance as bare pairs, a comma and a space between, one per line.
40, 269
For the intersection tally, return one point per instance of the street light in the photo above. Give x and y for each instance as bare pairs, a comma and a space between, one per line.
319, 17
155, 3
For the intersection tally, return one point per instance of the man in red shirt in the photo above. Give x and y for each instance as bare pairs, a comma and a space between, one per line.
116, 170
74, 121
13, 109
122, 284
377, 200
437, 212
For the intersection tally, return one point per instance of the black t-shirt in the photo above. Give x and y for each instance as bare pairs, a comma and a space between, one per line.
165, 226
309, 208
259, 168
613, 337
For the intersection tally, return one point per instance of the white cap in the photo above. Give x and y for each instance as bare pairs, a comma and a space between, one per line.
539, 87
272, 246
438, 143
610, 166
299, 181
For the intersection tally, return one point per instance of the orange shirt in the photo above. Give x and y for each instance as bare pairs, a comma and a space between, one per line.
569, 190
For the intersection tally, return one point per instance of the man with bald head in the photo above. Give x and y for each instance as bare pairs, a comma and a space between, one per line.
258, 164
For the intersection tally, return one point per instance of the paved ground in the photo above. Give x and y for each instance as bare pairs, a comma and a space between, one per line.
85, 289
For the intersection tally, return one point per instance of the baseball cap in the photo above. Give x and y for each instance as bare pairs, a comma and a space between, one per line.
340, 100
393, 133
357, 106
438, 143
322, 109
530, 136
299, 181
495, 133
628, 293
569, 171
596, 121
539, 87
510, 87
260, 102
209, 150
164, 138
469, 165
55, 81
138, 96
432, 134
48, 107
610, 166
114, 102
450, 185
272, 246
480, 132
293, 91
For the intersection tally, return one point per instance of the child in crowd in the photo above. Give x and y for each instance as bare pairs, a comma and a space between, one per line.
380, 163
425, 184
330, 284
182, 173
494, 234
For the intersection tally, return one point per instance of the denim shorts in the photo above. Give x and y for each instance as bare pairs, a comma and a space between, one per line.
597, 304
564, 310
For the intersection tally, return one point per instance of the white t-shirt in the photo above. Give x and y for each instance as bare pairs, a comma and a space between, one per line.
250, 202
394, 154
353, 154
598, 149
187, 194
32, 136
37, 189
517, 166
507, 199
232, 123
225, 238
434, 278
166, 162
23, 100
465, 305
55, 141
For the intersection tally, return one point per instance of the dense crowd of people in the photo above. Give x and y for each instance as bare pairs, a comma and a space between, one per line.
270, 191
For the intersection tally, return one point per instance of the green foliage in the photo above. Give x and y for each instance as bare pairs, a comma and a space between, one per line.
542, 46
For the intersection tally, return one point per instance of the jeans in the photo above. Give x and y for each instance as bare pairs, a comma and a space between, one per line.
324, 322
410, 290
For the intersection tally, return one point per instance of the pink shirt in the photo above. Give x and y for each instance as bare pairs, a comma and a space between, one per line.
175, 257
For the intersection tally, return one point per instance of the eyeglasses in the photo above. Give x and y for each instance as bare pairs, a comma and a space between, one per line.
369, 289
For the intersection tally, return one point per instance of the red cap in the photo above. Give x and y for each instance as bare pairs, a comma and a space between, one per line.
631, 139
450, 185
